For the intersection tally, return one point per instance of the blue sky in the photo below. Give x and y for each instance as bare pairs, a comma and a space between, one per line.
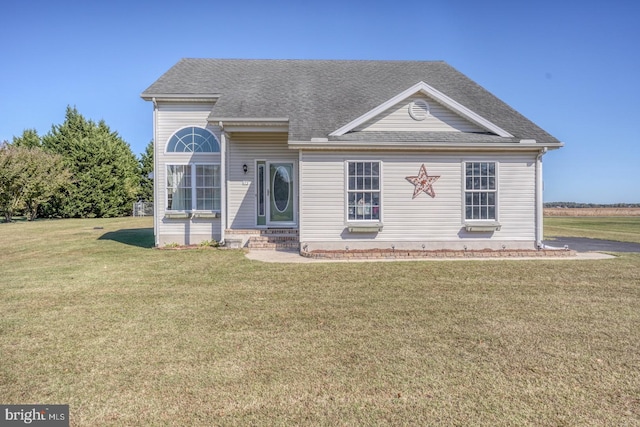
570, 66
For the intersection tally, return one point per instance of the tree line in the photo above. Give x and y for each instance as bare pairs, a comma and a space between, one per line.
589, 205
79, 169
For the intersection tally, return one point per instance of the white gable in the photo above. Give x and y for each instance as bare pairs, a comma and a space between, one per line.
419, 113
447, 115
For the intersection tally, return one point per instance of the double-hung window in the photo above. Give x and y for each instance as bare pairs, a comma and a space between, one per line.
207, 187
480, 191
193, 187
179, 188
363, 191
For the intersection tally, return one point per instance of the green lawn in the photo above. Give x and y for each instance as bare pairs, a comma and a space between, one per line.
622, 229
129, 335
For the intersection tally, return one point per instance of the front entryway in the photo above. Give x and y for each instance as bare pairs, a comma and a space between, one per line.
276, 194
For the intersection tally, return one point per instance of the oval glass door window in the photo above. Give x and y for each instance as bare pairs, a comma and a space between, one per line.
281, 188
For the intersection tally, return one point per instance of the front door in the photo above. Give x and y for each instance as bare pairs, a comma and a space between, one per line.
281, 193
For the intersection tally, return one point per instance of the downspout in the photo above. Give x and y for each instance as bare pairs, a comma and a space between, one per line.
155, 172
300, 201
223, 176
539, 202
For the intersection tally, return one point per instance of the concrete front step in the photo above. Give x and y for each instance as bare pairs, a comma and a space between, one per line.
272, 241
272, 245
262, 231
269, 238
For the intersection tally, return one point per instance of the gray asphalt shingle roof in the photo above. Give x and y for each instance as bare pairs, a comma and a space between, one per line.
320, 96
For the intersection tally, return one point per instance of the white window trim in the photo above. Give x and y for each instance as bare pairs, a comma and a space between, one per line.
166, 143
193, 210
480, 224
354, 224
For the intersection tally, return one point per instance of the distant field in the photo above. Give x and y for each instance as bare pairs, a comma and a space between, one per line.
592, 212
618, 228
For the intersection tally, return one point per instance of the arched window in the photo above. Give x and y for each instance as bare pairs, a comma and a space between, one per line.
193, 140
193, 185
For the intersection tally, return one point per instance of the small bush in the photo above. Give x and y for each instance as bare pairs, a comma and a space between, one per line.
209, 244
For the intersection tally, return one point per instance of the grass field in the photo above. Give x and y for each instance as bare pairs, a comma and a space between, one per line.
127, 335
622, 229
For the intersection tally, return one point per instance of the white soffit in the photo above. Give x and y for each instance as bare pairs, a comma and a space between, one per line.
424, 88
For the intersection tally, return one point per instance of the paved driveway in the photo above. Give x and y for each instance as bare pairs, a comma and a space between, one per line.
582, 244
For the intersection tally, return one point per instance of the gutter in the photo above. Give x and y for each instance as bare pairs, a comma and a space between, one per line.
203, 97
249, 119
421, 146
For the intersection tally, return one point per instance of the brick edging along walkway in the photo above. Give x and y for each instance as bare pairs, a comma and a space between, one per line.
404, 254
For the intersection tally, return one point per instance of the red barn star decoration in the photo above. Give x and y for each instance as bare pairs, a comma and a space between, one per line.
423, 182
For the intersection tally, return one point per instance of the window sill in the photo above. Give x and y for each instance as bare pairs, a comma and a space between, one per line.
177, 215
206, 215
482, 226
195, 215
365, 228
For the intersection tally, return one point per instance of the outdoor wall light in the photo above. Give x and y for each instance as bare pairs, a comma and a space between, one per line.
245, 168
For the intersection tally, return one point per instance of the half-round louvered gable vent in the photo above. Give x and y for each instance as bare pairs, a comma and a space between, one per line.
419, 109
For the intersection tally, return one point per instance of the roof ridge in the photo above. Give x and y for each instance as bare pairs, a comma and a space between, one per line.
417, 61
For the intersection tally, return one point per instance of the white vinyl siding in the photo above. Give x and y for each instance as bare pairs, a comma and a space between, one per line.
423, 219
439, 119
322, 179
517, 195
241, 187
171, 117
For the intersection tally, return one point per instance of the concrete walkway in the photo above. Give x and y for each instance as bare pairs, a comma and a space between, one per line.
281, 256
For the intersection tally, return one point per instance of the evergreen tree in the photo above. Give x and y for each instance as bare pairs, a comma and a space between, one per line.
146, 174
29, 176
105, 172
29, 138
10, 168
